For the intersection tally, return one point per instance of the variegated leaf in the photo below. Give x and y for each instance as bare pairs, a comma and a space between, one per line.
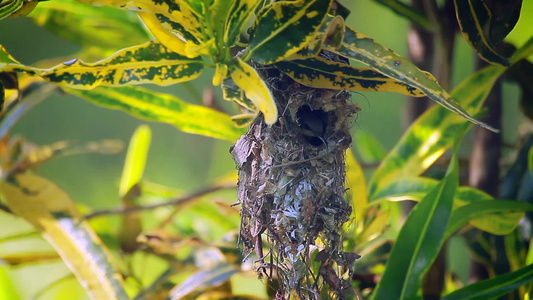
147, 63
231, 92
321, 73
51, 211
255, 89
364, 49
475, 21
152, 106
241, 12
283, 28
9, 7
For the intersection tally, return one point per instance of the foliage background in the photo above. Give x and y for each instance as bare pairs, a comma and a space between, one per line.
188, 162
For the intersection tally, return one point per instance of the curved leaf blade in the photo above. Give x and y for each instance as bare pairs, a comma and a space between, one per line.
492, 221
285, 27
364, 49
104, 28
51, 211
161, 29
321, 73
475, 19
478, 210
241, 11
135, 159
356, 182
7, 9
152, 106
494, 287
209, 277
255, 89
419, 240
147, 63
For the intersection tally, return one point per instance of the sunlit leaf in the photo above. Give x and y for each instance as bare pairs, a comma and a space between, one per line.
25, 258
432, 133
374, 228
355, 179
478, 209
243, 120
282, 28
9, 7
52, 212
8, 290
147, 63
475, 21
27, 7
255, 89
364, 49
419, 240
321, 73
411, 188
209, 277
135, 159
163, 31
105, 28
153, 106
494, 287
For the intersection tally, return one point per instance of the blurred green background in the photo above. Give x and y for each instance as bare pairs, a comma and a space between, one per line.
183, 161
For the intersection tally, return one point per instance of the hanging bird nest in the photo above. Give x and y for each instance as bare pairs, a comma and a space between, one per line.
291, 188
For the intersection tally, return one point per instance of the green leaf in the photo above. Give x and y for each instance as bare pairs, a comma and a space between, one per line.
324, 74
241, 11
152, 106
135, 159
478, 209
419, 240
494, 287
231, 92
105, 28
147, 63
368, 147
8, 290
51, 211
364, 49
255, 89
433, 132
504, 16
282, 28
9, 7
415, 188
209, 277
475, 21
409, 12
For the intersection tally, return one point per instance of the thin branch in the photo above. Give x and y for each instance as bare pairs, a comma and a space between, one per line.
190, 197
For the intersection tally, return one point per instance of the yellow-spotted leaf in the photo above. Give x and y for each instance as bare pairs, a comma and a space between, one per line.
283, 28
231, 92
332, 29
321, 73
153, 106
147, 63
241, 11
364, 49
475, 21
9, 7
103, 28
433, 132
51, 211
243, 120
255, 89
355, 181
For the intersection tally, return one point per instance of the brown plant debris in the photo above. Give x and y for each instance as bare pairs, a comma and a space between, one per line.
291, 188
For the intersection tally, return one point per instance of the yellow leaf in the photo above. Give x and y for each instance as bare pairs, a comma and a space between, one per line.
162, 33
51, 211
247, 78
357, 184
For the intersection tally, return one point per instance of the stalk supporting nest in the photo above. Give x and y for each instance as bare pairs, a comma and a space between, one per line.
291, 187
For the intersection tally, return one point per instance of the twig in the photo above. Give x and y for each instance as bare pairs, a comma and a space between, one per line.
127, 210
